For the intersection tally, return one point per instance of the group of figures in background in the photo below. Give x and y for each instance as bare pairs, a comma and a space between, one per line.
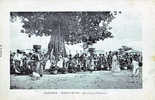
28, 63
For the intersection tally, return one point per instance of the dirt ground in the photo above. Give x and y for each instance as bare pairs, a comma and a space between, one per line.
80, 80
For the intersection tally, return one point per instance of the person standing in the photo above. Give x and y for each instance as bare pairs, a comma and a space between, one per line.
135, 70
36, 59
18, 62
24, 62
95, 62
109, 59
92, 64
85, 58
12, 63
99, 62
104, 62
115, 63
70, 64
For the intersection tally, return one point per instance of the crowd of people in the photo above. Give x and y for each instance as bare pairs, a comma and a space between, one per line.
27, 63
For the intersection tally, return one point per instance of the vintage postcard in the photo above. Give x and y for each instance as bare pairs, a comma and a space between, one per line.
77, 50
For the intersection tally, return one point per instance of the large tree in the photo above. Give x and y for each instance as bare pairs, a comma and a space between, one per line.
66, 27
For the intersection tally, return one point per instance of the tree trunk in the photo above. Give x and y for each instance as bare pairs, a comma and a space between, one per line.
57, 43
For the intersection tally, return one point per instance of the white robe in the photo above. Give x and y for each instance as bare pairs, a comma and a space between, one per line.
115, 64
135, 68
48, 64
60, 63
92, 64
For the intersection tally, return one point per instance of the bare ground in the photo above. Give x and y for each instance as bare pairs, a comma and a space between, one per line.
80, 80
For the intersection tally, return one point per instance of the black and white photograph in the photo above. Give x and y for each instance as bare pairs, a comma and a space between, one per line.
76, 50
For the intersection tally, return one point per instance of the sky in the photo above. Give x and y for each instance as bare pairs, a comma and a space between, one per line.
126, 28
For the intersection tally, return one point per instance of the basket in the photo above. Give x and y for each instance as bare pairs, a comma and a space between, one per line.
36, 46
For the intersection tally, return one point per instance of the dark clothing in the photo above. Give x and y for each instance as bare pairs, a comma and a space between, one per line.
109, 59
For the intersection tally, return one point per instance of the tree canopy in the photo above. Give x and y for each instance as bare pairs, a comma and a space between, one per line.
66, 27
74, 26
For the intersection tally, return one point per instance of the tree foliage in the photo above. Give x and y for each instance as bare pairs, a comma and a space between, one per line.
66, 27
74, 26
